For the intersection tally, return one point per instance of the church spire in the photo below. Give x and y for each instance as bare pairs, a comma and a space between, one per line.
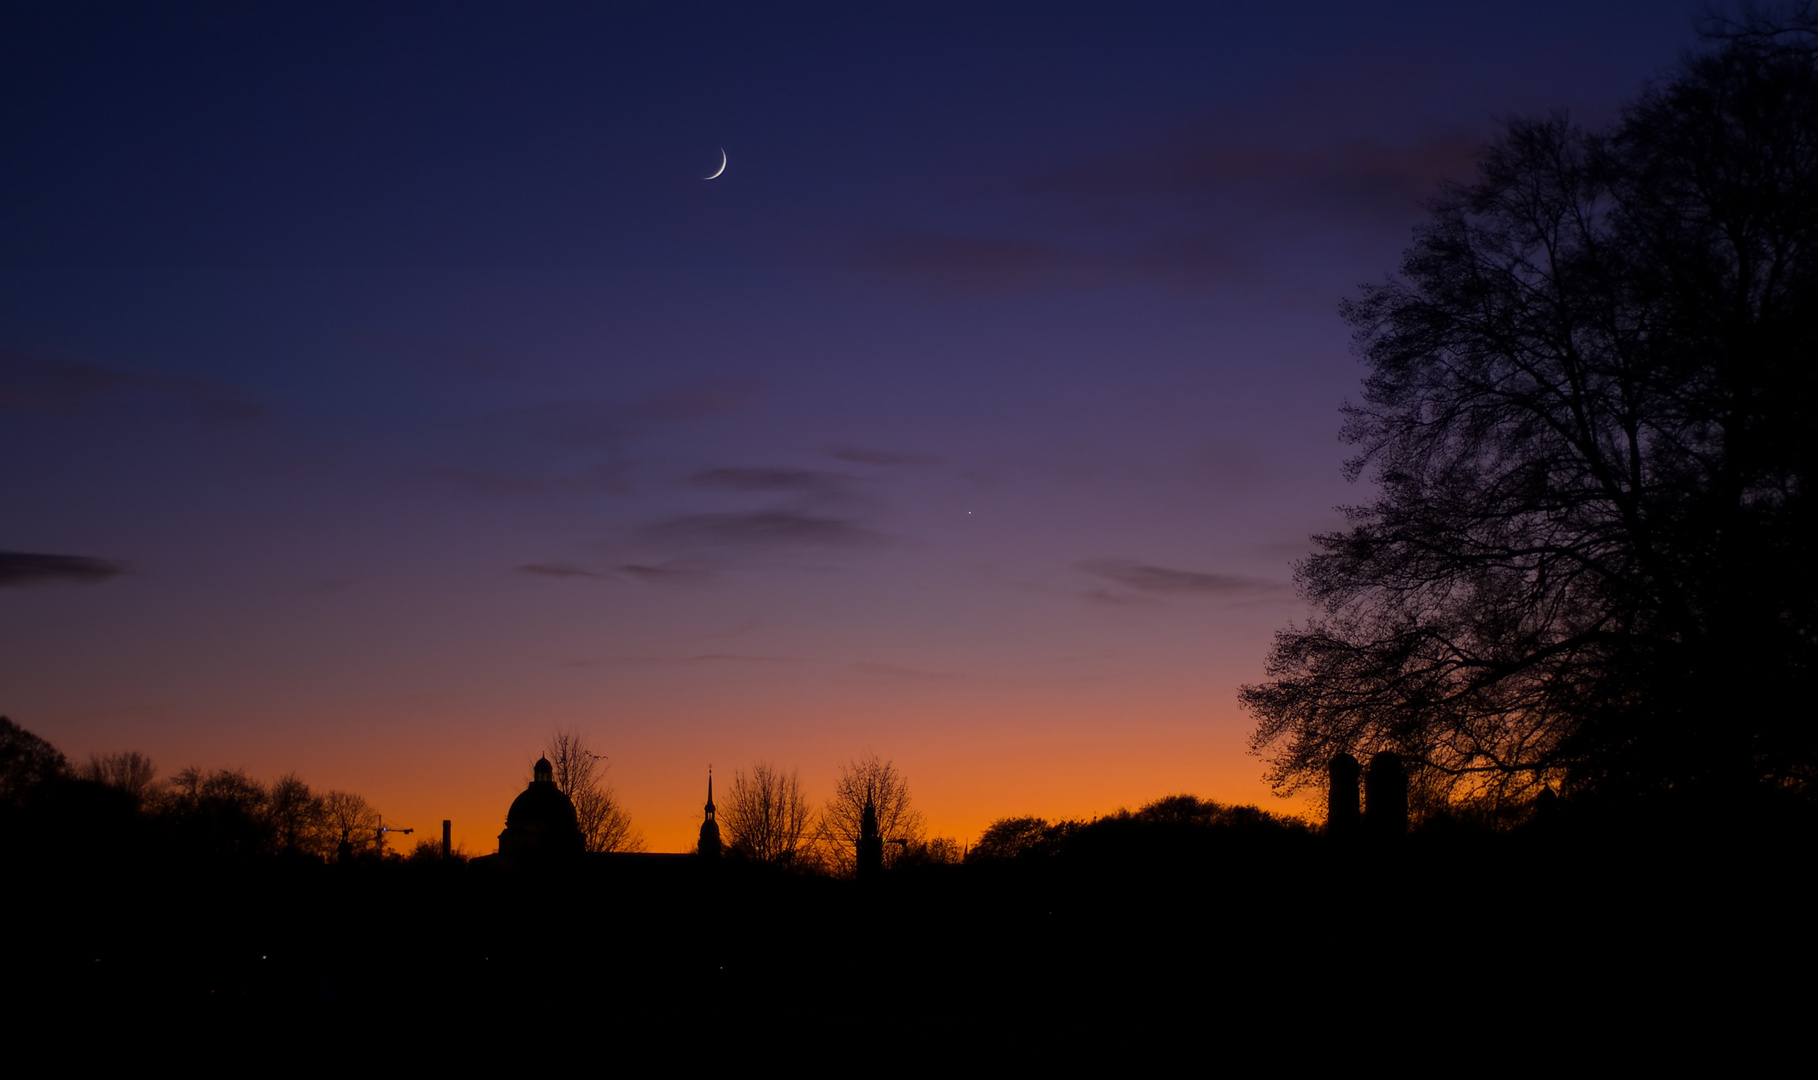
870, 842
710, 829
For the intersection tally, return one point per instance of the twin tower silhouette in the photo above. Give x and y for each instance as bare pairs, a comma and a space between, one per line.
1385, 788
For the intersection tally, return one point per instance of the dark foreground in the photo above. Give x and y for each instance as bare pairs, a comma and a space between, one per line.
1278, 951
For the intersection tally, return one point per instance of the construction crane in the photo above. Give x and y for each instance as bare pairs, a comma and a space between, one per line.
379, 835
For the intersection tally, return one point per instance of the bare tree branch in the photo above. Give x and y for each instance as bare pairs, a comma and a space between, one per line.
581, 774
766, 816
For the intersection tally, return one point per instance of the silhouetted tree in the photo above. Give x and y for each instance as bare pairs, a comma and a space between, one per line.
1212, 814
219, 813
878, 782
936, 851
299, 818
1592, 417
353, 821
581, 774
132, 773
25, 762
767, 818
430, 851
1013, 838
1173, 831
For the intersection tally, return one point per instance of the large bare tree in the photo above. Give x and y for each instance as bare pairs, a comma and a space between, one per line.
766, 816
878, 782
299, 817
219, 811
351, 819
130, 772
1591, 416
581, 774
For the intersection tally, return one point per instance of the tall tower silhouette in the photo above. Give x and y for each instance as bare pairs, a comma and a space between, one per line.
1342, 814
1385, 810
870, 843
709, 846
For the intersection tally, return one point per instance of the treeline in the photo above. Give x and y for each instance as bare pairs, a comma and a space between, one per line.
1177, 825
117, 802
767, 819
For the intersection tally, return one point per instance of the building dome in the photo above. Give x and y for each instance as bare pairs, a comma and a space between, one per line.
542, 821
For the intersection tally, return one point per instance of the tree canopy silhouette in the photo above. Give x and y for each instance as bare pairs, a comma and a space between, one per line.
131, 773
1589, 415
766, 815
26, 761
581, 774
872, 780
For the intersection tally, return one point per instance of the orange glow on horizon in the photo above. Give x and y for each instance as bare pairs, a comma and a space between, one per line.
1059, 759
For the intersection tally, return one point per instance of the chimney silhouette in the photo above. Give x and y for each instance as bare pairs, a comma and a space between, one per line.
1342, 814
1386, 797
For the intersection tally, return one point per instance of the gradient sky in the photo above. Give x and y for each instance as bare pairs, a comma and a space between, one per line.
429, 398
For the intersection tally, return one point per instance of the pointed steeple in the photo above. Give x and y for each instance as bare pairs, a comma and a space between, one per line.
870, 842
709, 846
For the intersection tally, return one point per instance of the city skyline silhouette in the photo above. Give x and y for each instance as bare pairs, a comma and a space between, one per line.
392, 391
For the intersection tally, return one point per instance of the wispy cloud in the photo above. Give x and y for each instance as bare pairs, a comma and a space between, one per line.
31, 384
1147, 578
19, 568
482, 482
604, 478
668, 574
560, 570
764, 529
455, 356
861, 456
1339, 177
697, 400
596, 424
683, 661
771, 480
1117, 598
1188, 210
898, 673
1001, 266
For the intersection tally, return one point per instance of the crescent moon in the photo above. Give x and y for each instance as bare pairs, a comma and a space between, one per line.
722, 167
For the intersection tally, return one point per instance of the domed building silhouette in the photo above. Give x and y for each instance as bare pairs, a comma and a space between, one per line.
541, 823
543, 829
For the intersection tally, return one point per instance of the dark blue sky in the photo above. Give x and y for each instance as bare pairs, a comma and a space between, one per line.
428, 395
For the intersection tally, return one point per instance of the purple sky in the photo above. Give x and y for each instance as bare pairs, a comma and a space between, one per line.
430, 398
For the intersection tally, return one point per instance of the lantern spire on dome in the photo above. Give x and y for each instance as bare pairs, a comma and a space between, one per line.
710, 829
